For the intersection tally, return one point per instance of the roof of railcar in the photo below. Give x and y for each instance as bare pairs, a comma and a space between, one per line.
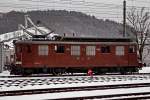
95, 39
83, 39
78, 40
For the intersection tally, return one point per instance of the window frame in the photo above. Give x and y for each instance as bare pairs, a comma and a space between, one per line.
131, 49
60, 50
91, 50
105, 49
43, 50
18, 49
75, 50
120, 50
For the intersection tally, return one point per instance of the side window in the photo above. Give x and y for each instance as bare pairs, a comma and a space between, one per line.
131, 49
75, 50
105, 49
43, 50
59, 48
90, 50
119, 50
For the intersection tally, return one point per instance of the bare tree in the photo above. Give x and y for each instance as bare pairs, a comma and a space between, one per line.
139, 20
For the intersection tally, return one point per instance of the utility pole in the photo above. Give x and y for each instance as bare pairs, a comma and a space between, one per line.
124, 18
1, 56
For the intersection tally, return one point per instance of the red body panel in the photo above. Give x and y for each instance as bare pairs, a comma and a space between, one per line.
33, 60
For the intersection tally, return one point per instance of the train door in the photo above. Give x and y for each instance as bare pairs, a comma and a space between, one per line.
132, 56
43, 52
120, 56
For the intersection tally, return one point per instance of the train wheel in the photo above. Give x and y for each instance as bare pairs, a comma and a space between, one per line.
45, 70
28, 71
123, 71
58, 71
54, 72
134, 70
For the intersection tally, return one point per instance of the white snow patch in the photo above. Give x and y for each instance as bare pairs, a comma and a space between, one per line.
145, 70
5, 73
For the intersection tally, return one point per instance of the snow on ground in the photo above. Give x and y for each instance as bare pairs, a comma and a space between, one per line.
145, 70
5, 73
51, 96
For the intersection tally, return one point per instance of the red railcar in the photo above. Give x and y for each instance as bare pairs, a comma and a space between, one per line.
73, 54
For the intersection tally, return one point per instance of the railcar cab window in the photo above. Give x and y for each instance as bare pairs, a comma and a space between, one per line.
43, 50
131, 49
59, 48
105, 49
19, 49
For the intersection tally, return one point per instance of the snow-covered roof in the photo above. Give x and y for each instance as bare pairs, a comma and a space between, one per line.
9, 37
19, 33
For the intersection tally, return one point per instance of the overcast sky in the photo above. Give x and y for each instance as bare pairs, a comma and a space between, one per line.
111, 9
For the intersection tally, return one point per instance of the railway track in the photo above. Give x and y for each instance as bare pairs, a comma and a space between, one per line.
88, 88
69, 89
33, 81
26, 85
132, 96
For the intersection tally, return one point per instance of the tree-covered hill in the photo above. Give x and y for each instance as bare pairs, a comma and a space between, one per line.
62, 21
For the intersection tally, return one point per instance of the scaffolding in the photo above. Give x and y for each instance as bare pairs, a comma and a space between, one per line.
23, 32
